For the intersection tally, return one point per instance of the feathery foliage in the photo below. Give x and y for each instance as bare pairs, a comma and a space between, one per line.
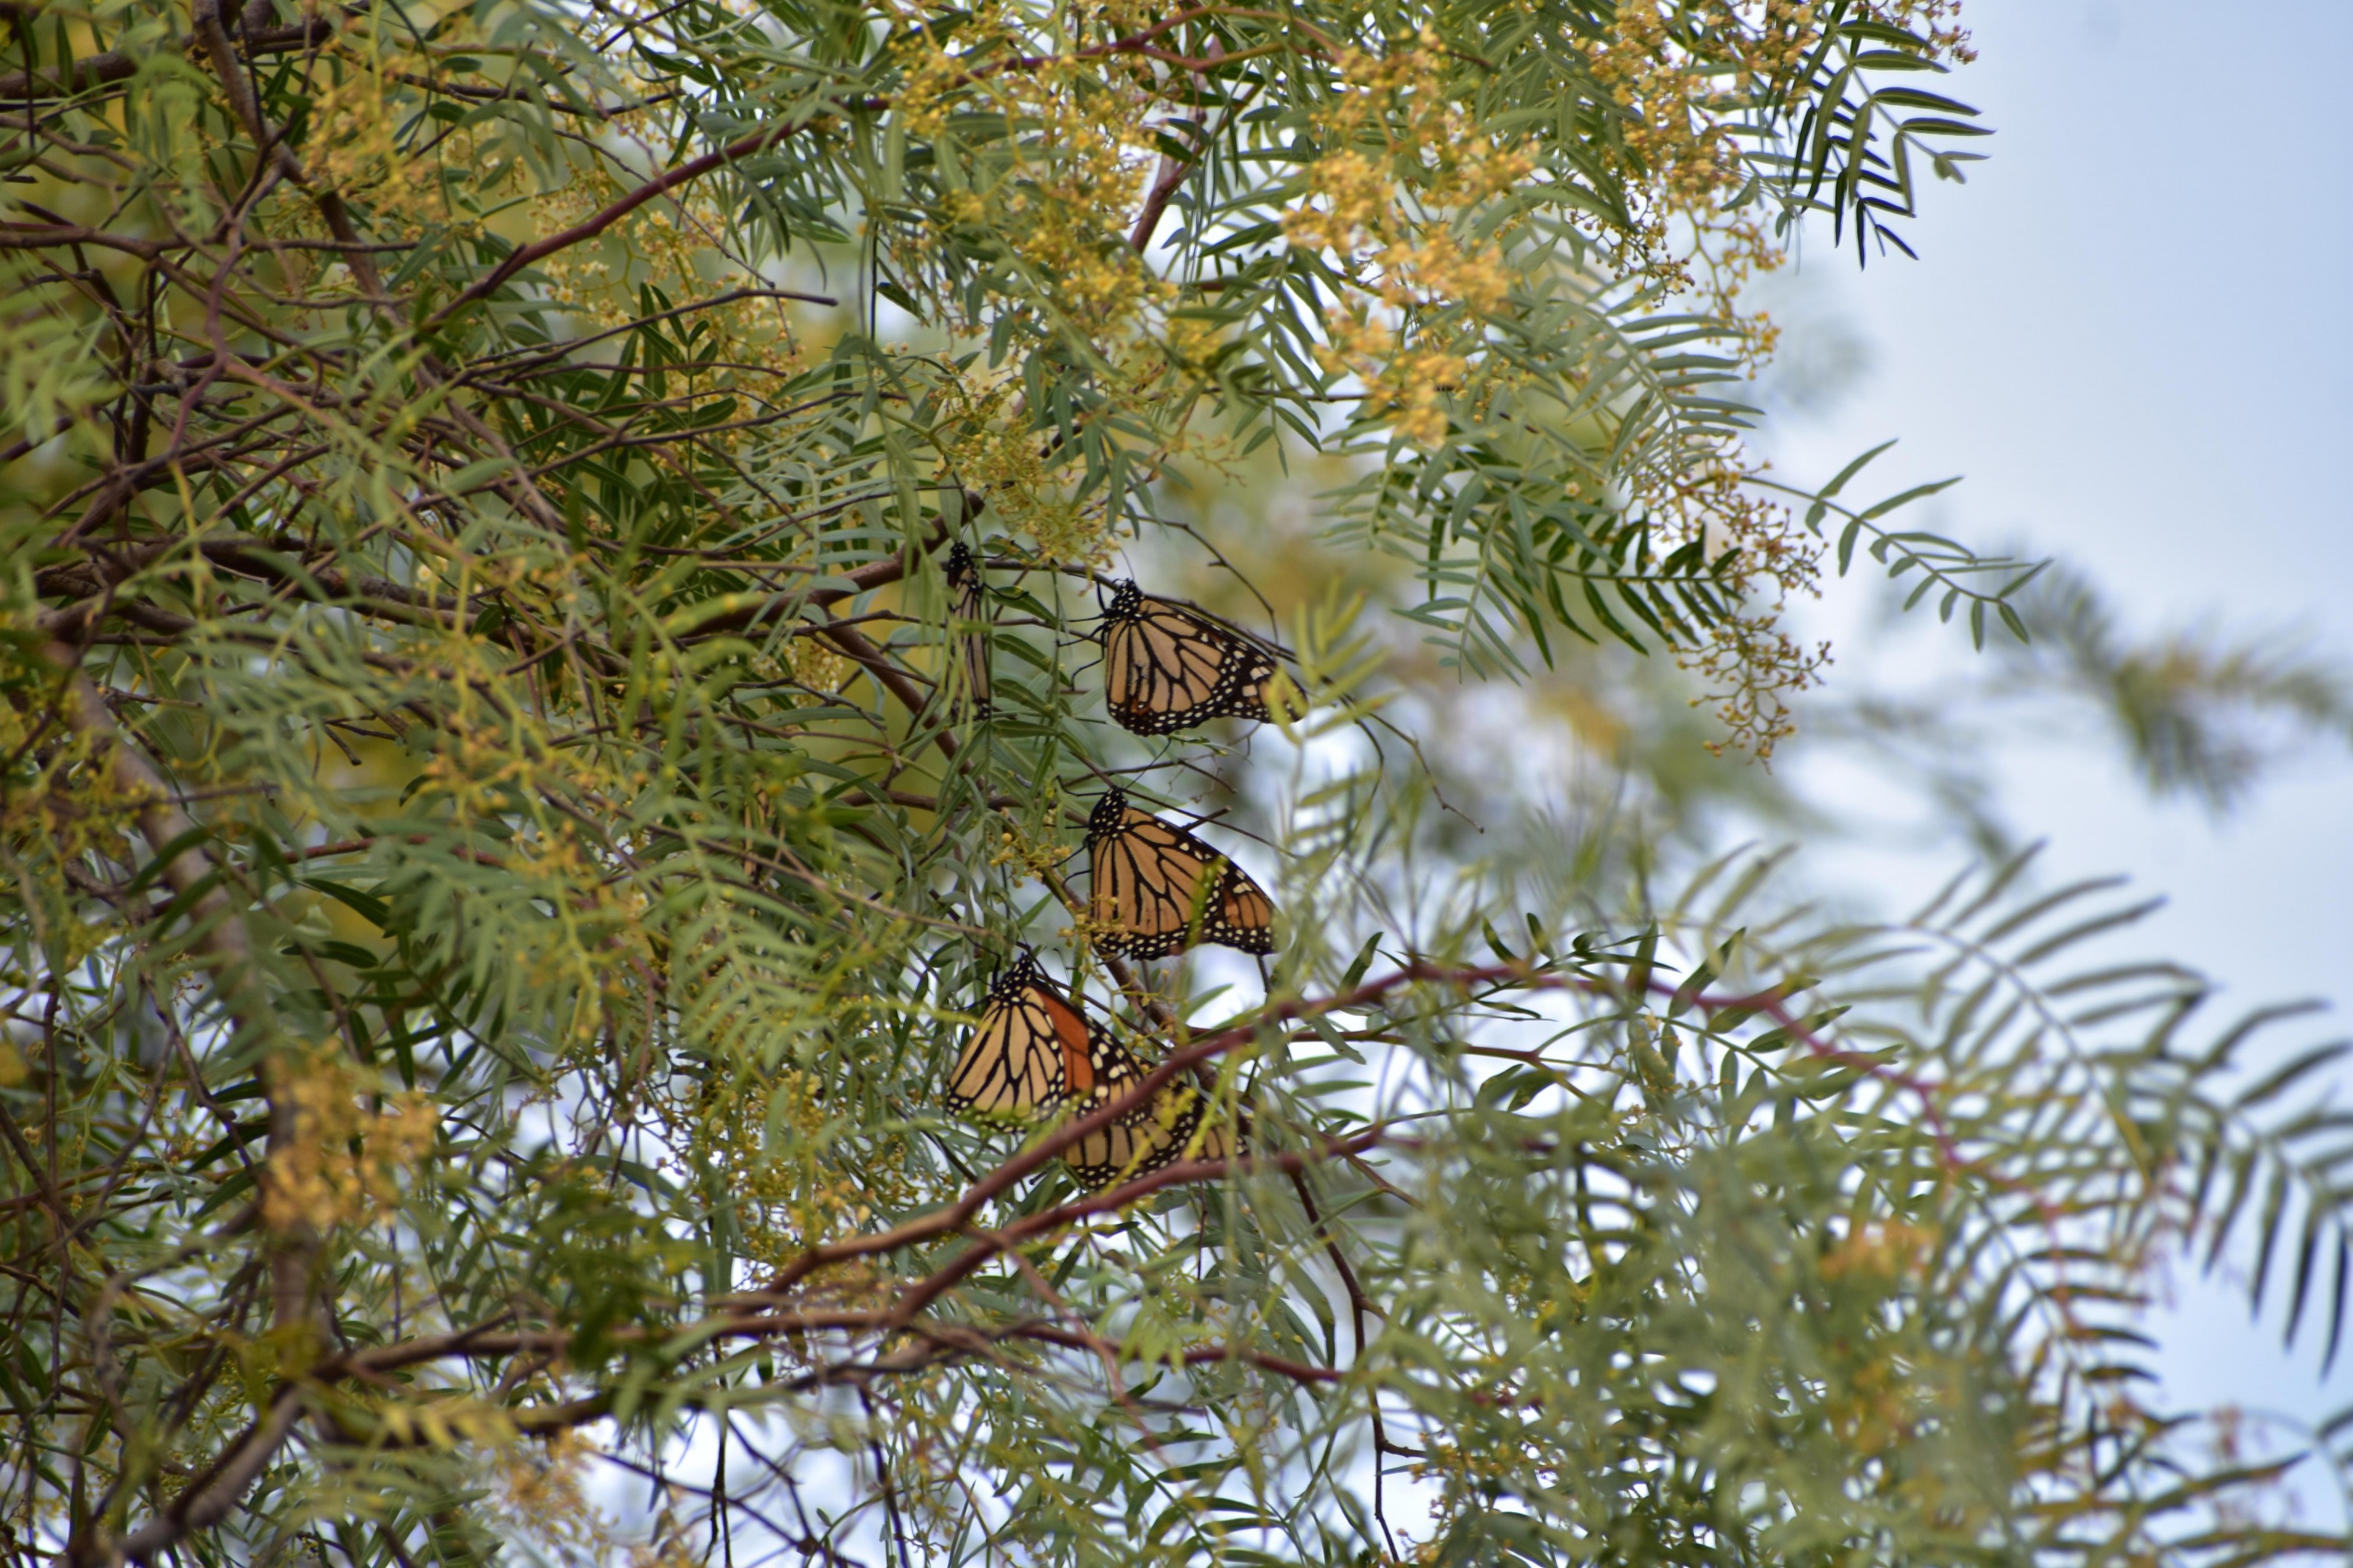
502, 845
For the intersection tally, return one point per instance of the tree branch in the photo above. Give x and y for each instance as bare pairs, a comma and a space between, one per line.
220, 934
115, 64
213, 1494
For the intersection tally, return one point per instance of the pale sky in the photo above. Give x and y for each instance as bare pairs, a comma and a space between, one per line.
2133, 332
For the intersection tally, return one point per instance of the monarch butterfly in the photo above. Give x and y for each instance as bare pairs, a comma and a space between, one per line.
1145, 1138
968, 624
1031, 1050
1158, 889
1034, 1052
1166, 667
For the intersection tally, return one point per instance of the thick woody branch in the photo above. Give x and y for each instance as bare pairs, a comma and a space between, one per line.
776, 607
115, 64
220, 935
262, 560
208, 1499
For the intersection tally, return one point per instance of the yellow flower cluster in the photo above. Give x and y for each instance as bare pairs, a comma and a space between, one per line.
57, 796
541, 1495
1404, 168
1887, 1250
1675, 142
344, 1162
769, 1139
678, 246
989, 448
817, 665
1751, 665
1675, 137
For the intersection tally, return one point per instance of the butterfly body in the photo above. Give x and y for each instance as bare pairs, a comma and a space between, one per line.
968, 627
1154, 888
1168, 667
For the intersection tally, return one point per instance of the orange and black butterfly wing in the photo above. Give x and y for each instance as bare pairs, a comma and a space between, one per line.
1168, 667
1012, 1067
1160, 673
1145, 885
1031, 1051
1154, 888
1147, 1139
968, 630
1242, 916
1243, 695
1141, 1140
